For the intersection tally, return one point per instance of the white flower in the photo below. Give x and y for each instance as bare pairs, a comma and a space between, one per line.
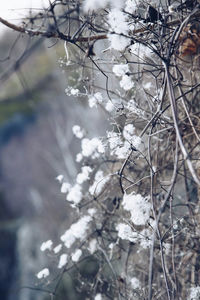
43, 273
62, 261
78, 132
46, 245
138, 206
76, 255
57, 249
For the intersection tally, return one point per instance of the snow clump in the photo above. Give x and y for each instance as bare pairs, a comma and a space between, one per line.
46, 245
138, 206
43, 273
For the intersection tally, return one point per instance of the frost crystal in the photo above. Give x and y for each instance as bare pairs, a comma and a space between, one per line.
147, 85
65, 187
76, 255
92, 147
68, 238
126, 83
46, 245
114, 139
122, 152
140, 51
120, 70
95, 99
194, 293
75, 194
118, 42
79, 157
57, 249
117, 21
132, 108
144, 238
84, 175
117, 146
92, 246
138, 206
74, 92
43, 273
131, 6
98, 297
135, 283
113, 104
99, 182
60, 178
62, 261
126, 233
77, 230
128, 133
90, 5
141, 238
78, 132
94, 4
92, 211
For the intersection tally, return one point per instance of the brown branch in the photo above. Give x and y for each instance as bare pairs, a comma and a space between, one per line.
52, 34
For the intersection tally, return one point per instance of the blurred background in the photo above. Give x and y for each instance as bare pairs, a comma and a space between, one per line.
36, 145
